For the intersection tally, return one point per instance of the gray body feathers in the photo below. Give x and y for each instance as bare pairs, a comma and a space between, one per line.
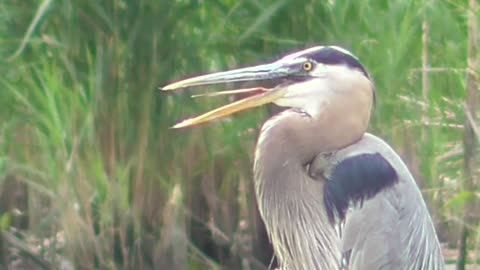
392, 230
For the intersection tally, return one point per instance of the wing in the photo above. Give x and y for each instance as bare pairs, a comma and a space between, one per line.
386, 224
374, 233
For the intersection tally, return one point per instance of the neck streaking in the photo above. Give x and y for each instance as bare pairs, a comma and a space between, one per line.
290, 202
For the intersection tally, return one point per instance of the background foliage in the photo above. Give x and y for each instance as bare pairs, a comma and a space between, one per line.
92, 178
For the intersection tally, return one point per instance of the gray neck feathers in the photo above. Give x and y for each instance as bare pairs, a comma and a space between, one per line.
290, 202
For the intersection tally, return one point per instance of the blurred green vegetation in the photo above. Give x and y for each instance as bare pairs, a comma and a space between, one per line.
90, 174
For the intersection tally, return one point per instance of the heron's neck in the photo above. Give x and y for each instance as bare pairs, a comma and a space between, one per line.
290, 202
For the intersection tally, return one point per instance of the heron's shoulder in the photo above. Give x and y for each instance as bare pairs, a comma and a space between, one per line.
355, 179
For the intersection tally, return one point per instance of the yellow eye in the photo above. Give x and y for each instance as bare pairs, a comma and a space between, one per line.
307, 66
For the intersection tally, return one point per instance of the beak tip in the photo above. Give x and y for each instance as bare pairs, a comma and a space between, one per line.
180, 125
170, 87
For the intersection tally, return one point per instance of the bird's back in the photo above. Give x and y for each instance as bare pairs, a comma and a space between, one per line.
391, 231
392, 228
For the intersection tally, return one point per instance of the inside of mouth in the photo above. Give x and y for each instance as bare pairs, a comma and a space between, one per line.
240, 93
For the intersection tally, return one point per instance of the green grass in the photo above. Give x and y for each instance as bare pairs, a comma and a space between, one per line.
84, 137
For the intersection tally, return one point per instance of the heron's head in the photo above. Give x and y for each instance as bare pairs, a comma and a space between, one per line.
306, 80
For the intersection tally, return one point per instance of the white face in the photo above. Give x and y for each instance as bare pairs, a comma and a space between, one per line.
327, 82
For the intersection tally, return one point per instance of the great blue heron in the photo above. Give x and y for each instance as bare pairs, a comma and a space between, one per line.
330, 195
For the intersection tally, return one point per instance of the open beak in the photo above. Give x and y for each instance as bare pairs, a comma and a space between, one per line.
261, 95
